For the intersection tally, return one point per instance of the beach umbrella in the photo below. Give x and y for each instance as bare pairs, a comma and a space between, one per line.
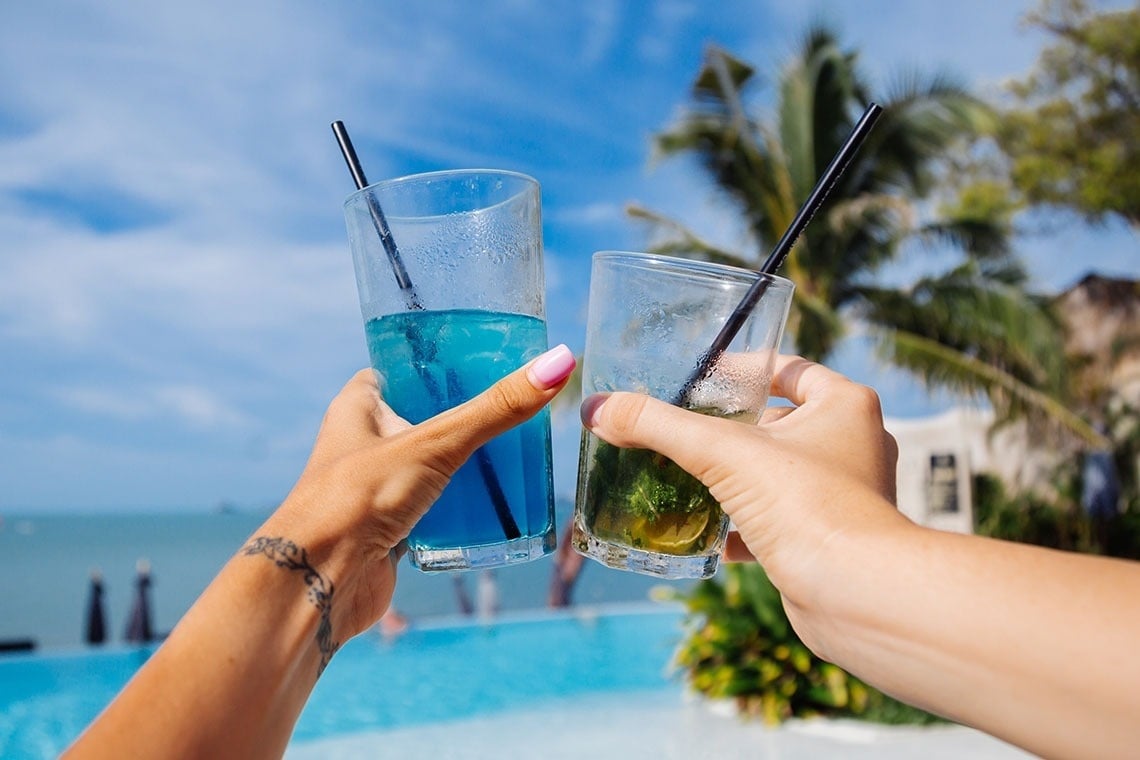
566, 568
96, 628
139, 628
487, 594
461, 595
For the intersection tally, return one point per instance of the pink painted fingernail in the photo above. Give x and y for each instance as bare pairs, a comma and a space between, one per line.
551, 368
590, 407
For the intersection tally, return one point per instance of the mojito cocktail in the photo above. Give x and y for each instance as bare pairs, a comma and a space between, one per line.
650, 319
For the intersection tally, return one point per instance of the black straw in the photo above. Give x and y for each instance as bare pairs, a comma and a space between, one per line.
815, 200
394, 258
420, 352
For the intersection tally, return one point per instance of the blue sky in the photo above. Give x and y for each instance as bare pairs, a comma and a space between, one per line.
176, 296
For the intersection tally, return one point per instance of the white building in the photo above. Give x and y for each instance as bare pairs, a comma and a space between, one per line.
939, 455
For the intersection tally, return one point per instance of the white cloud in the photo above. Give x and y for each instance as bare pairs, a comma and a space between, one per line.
599, 212
666, 24
602, 22
68, 286
193, 406
104, 403
199, 407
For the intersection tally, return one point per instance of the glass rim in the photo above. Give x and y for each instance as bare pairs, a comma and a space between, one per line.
526, 179
656, 262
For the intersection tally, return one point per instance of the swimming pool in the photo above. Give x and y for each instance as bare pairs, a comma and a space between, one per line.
427, 675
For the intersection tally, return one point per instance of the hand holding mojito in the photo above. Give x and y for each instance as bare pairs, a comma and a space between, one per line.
650, 318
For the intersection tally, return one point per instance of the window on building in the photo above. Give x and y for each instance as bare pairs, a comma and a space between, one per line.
942, 485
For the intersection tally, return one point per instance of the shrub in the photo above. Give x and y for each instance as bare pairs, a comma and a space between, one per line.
740, 645
1058, 524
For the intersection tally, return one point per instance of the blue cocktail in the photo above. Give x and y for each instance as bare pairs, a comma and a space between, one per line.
430, 361
449, 271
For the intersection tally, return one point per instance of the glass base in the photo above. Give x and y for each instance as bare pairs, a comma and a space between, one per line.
486, 555
619, 557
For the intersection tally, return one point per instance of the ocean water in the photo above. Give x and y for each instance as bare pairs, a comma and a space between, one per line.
48, 560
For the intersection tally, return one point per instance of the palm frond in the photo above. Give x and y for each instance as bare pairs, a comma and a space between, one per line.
941, 366
718, 63
848, 216
767, 168
683, 241
981, 238
980, 309
814, 325
923, 118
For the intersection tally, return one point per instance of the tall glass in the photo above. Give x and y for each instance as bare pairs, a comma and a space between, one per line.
449, 271
651, 319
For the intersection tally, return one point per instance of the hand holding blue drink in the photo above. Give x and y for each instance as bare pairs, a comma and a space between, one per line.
232, 677
449, 269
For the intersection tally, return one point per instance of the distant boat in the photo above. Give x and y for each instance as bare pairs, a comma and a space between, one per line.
17, 645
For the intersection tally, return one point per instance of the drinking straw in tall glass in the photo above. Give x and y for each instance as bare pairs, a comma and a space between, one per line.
471, 242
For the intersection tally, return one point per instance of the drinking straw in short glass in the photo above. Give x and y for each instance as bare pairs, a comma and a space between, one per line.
783, 247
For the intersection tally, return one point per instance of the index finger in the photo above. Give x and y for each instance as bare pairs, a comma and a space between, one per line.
800, 381
354, 418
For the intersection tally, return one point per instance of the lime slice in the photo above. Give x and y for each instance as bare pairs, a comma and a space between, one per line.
674, 533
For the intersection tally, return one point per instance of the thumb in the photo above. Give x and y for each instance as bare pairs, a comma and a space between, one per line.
696, 442
509, 402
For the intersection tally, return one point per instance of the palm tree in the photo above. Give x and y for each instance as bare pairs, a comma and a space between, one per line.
960, 329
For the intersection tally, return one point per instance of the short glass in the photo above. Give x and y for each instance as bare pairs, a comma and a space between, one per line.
651, 319
450, 275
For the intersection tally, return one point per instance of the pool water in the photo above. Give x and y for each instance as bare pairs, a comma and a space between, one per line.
426, 675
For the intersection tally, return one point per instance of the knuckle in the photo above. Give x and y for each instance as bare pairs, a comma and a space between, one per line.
360, 390
509, 400
439, 454
623, 411
890, 447
865, 400
394, 519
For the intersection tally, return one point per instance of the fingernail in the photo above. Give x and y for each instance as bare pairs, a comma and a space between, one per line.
551, 368
590, 407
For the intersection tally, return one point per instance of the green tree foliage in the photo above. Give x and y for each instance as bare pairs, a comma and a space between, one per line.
1073, 132
950, 329
767, 169
1057, 522
977, 324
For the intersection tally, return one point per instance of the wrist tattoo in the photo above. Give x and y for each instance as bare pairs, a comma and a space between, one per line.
288, 555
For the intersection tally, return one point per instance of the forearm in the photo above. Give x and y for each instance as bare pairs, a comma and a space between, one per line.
1032, 645
233, 676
